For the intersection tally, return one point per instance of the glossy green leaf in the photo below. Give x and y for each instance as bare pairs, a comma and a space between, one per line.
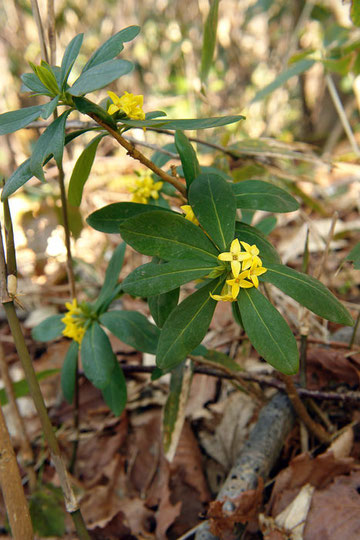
213, 203
219, 358
97, 356
162, 305
31, 83
49, 108
81, 171
47, 76
86, 106
51, 141
354, 256
189, 161
21, 388
68, 372
258, 195
308, 291
268, 331
99, 76
186, 326
252, 235
115, 394
151, 278
70, 55
112, 274
133, 329
47, 512
175, 408
169, 236
209, 40
267, 224
188, 123
292, 71
112, 47
109, 218
50, 328
14, 120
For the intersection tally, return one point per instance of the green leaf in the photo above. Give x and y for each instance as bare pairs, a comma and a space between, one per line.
354, 256
213, 203
267, 224
188, 157
355, 12
50, 107
151, 278
21, 388
68, 372
252, 235
162, 305
81, 171
309, 292
268, 331
51, 141
32, 83
99, 76
70, 55
209, 40
175, 406
160, 158
112, 275
168, 236
188, 123
86, 106
47, 77
47, 512
133, 329
217, 357
186, 326
109, 218
115, 394
292, 71
50, 328
112, 47
258, 195
14, 120
97, 356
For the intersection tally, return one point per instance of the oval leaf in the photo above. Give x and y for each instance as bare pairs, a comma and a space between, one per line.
186, 326
151, 279
81, 171
251, 235
68, 372
97, 356
309, 292
14, 120
213, 203
133, 329
115, 394
190, 164
112, 47
258, 195
268, 331
168, 236
50, 328
162, 305
109, 218
99, 76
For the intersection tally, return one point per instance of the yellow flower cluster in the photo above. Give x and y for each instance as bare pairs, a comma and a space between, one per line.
74, 322
246, 266
143, 188
129, 104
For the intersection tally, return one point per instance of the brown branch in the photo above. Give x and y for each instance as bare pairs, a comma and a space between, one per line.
135, 154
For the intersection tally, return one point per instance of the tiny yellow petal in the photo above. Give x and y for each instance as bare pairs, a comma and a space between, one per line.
112, 109
235, 268
235, 247
226, 256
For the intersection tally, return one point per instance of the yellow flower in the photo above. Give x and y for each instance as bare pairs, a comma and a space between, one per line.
253, 253
144, 188
255, 271
235, 256
239, 282
74, 322
189, 214
129, 104
225, 295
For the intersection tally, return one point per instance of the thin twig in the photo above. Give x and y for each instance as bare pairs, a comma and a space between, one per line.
40, 29
51, 31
